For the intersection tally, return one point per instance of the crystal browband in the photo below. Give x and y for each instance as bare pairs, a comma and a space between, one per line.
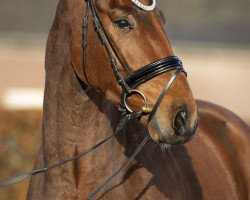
144, 7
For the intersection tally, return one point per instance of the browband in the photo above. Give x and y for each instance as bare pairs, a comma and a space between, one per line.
152, 70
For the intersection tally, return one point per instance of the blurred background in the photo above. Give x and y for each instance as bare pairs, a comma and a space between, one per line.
211, 37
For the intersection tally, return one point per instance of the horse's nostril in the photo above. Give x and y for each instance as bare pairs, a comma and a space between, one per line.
180, 123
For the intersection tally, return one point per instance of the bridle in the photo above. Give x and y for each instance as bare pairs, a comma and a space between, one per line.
128, 85
132, 79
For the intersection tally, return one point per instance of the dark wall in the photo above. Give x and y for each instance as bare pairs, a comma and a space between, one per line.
27, 15
208, 20
202, 20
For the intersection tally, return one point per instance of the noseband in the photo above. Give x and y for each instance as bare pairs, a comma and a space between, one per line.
132, 79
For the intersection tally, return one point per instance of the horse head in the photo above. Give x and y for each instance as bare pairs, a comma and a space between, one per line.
134, 42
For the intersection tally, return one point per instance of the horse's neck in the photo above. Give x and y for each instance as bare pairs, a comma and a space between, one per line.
74, 120
74, 117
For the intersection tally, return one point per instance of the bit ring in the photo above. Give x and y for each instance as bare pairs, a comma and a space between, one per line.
125, 97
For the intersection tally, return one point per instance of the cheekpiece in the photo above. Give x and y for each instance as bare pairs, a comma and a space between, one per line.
145, 7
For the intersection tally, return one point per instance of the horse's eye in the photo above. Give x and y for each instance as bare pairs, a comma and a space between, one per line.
123, 24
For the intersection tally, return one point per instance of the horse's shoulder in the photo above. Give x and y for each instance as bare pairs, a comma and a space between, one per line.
222, 126
223, 143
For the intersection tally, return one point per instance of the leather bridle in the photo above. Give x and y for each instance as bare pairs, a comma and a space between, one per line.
128, 85
132, 79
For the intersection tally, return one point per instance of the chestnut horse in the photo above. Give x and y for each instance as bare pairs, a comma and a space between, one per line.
80, 108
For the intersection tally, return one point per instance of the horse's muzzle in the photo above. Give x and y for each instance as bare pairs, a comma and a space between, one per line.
182, 129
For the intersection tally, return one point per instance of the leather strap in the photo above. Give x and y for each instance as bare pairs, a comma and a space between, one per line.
164, 92
152, 70
97, 16
137, 151
84, 40
103, 37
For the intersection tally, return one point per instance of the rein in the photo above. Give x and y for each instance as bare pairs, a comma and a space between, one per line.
21, 177
120, 126
128, 86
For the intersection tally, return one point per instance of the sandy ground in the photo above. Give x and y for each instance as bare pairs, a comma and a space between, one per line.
218, 74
